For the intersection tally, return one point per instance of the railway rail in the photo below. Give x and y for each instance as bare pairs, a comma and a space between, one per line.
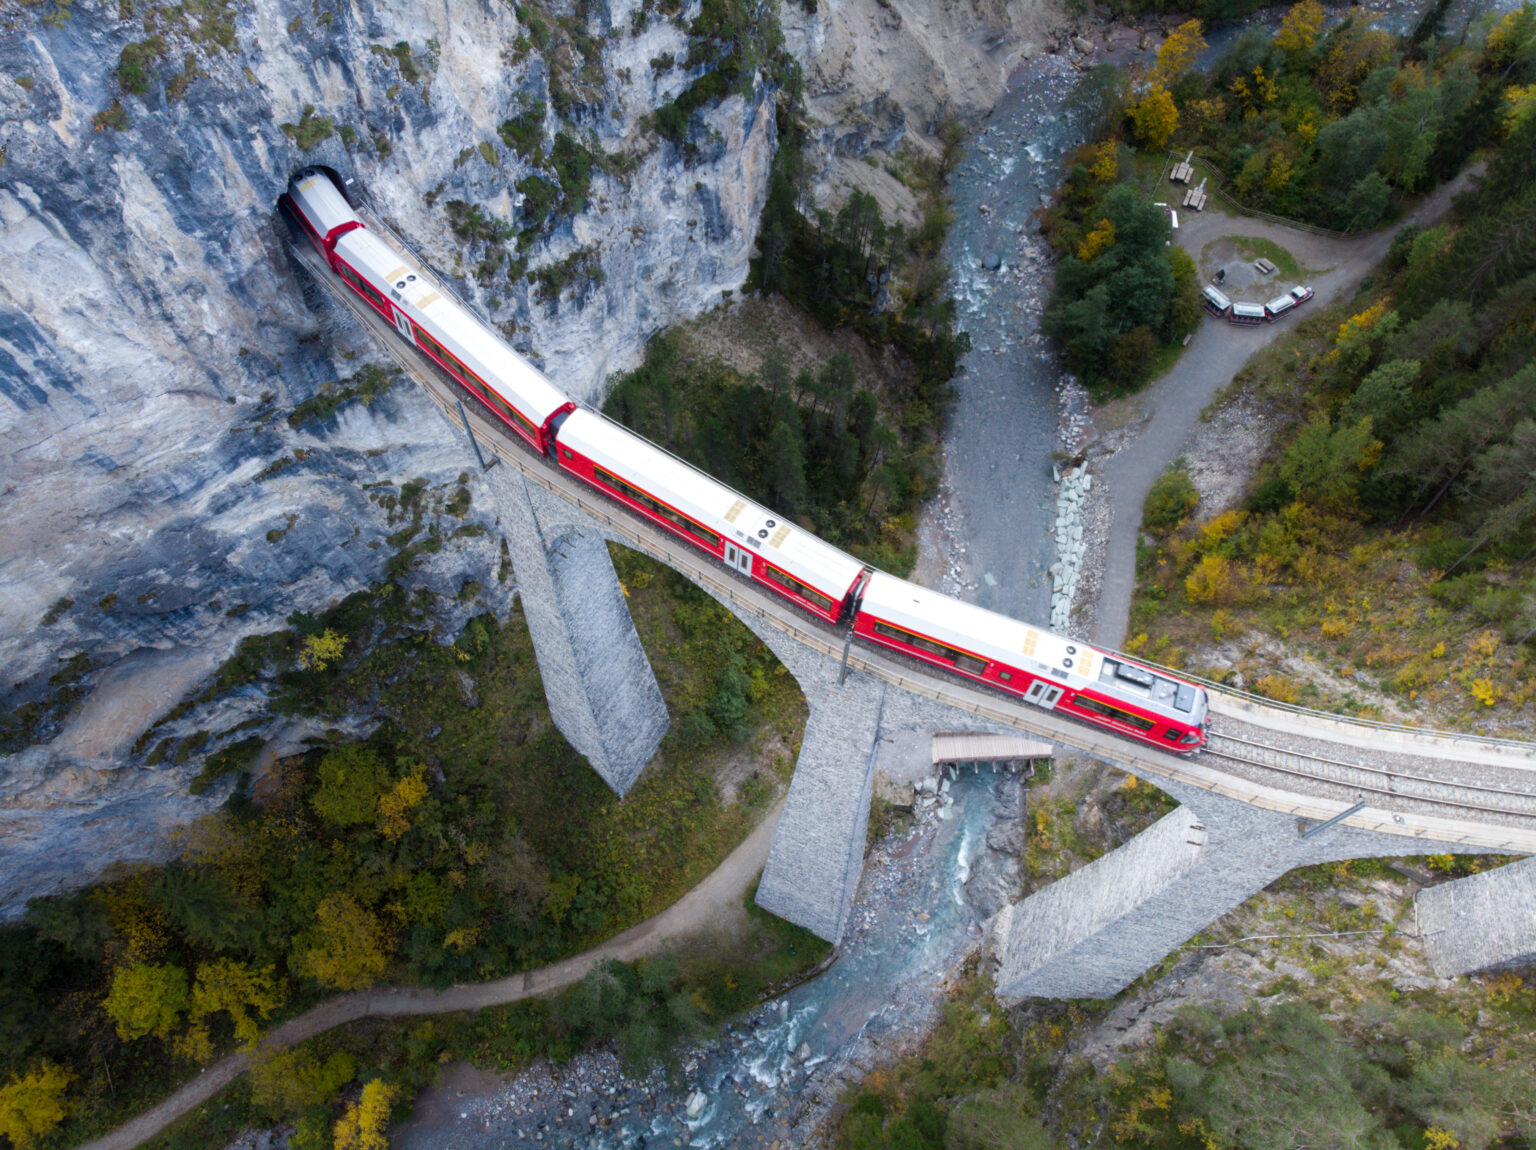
1419, 799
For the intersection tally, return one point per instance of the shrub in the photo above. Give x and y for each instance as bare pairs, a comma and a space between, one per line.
1211, 581
1169, 503
136, 64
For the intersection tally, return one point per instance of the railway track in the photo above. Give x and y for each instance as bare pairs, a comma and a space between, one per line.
1375, 776
1307, 774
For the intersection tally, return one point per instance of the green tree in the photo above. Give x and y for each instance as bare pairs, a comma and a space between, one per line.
1385, 396
349, 949
1169, 502
147, 998
289, 1081
31, 1105
1184, 306
786, 465
202, 904
352, 779
1324, 463
1295, 1083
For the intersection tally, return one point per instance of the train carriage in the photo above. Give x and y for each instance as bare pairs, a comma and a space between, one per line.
746, 537
322, 210
510, 387
1042, 668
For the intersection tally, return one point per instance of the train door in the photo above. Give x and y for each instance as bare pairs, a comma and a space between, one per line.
1043, 694
739, 559
403, 325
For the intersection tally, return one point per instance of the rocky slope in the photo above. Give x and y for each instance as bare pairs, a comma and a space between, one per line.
881, 75
154, 333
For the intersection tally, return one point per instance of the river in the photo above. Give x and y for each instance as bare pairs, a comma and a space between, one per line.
773, 1073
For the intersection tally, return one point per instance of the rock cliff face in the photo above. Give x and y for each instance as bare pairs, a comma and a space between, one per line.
154, 335
883, 72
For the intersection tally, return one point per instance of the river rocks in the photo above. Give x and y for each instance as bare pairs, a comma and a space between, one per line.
1076, 483
696, 1103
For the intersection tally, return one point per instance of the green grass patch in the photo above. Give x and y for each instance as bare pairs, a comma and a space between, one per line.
1257, 247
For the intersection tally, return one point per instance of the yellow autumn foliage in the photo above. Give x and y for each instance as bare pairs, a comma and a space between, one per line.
362, 1126
1154, 119
320, 651
1300, 27
397, 803
1178, 53
31, 1105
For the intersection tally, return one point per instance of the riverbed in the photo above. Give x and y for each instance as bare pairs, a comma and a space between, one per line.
772, 1074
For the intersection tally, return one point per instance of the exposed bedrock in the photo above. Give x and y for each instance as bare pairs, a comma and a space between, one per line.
154, 336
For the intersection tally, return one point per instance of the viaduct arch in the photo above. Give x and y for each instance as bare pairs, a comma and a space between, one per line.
1383, 791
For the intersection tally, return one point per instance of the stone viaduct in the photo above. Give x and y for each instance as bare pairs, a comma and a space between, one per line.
1244, 802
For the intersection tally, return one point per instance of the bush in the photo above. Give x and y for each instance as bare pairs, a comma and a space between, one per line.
136, 65
1169, 503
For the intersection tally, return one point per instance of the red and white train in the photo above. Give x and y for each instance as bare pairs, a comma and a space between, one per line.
1037, 666
1215, 302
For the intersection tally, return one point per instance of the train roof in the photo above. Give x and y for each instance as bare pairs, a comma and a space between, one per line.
723, 510
1216, 296
316, 196
997, 637
479, 349
1255, 310
1280, 304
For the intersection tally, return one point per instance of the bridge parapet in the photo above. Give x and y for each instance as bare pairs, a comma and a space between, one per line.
1460, 795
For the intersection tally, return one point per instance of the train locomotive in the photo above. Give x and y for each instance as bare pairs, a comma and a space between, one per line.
1039, 667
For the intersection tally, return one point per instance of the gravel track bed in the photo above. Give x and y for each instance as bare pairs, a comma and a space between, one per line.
1410, 782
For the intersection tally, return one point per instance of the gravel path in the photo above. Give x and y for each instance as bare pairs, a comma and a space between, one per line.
1213, 357
715, 901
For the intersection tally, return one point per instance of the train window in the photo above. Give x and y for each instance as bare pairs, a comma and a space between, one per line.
1173, 735
1116, 713
362, 285
799, 588
489, 395
961, 659
656, 507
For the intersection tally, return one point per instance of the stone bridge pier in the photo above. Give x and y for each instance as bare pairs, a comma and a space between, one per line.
603, 697
1088, 935
1091, 934
601, 690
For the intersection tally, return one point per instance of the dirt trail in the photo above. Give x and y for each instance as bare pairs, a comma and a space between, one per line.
1213, 357
715, 901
